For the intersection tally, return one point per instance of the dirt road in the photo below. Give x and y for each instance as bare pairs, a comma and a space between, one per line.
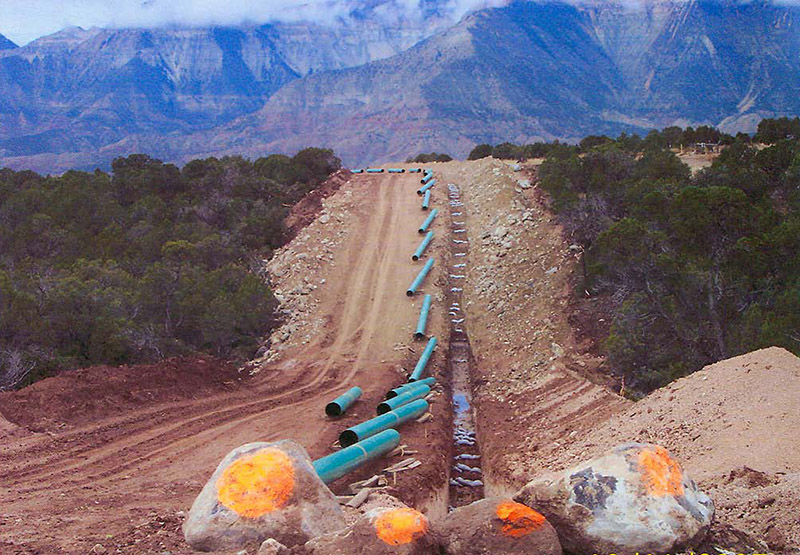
122, 479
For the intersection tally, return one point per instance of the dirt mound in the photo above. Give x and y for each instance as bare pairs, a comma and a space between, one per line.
736, 428
86, 395
306, 211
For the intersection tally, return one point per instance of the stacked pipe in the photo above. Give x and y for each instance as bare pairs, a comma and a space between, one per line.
422, 246
427, 177
430, 382
428, 221
338, 464
423, 360
423, 318
426, 202
404, 397
420, 278
400, 415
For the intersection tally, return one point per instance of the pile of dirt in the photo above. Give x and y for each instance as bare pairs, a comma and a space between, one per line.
736, 428
309, 207
81, 396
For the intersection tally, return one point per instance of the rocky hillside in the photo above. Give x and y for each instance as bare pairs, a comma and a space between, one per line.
373, 92
6, 44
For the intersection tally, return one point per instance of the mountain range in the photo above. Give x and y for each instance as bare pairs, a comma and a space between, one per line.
375, 91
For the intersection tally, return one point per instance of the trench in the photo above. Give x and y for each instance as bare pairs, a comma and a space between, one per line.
465, 476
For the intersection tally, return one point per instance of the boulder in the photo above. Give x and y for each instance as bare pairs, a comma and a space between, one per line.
380, 531
497, 526
272, 547
636, 498
261, 491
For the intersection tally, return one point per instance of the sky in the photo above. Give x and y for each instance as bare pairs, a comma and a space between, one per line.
25, 20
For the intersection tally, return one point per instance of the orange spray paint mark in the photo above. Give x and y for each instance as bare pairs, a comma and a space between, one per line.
401, 526
518, 520
258, 483
661, 474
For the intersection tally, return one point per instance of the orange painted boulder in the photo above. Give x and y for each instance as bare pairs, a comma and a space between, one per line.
380, 531
636, 498
497, 526
261, 491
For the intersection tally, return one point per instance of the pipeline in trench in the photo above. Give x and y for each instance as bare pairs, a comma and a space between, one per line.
466, 477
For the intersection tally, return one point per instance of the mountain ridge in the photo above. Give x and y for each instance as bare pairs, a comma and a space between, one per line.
523, 72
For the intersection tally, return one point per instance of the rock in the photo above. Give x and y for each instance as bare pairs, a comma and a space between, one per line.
272, 547
558, 350
497, 526
260, 491
499, 232
324, 219
379, 531
98, 548
524, 183
636, 498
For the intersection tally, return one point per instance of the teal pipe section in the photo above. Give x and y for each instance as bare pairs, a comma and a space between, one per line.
424, 189
420, 278
343, 402
410, 385
428, 221
422, 246
426, 202
423, 360
396, 170
398, 416
375, 170
423, 318
336, 465
424, 180
357, 171
403, 399
414, 170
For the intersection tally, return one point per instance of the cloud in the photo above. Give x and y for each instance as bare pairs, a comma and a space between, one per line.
23, 21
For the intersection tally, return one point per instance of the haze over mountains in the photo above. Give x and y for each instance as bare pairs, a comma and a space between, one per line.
375, 92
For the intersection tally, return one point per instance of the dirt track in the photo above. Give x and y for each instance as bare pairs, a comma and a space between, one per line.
122, 479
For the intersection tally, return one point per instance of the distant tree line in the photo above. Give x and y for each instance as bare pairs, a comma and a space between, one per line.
429, 157
147, 262
698, 267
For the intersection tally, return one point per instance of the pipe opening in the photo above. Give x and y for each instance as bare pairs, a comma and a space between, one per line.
383, 408
419, 335
425, 208
333, 409
421, 231
348, 438
409, 293
414, 257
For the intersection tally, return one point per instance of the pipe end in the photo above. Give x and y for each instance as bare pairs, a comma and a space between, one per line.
333, 409
425, 208
421, 231
419, 335
414, 257
383, 408
409, 293
391, 394
419, 192
348, 438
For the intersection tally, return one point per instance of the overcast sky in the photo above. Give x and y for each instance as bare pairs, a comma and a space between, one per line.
25, 20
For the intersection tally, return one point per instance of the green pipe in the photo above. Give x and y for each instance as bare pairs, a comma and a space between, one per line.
420, 278
424, 180
426, 202
422, 246
409, 385
398, 416
423, 360
423, 318
336, 465
424, 189
343, 402
404, 398
396, 170
428, 221
375, 170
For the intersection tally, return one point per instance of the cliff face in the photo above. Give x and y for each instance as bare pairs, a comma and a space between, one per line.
372, 91
6, 44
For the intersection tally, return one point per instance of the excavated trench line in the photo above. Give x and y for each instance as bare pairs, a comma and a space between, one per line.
466, 478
